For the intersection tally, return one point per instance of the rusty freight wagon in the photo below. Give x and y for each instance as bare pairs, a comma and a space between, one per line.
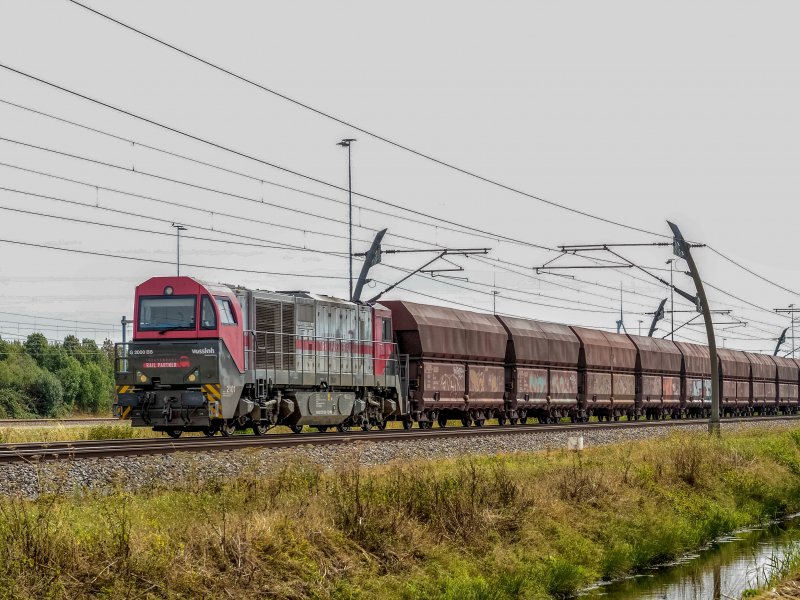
658, 377
695, 379
541, 371
734, 375
606, 374
456, 362
787, 384
763, 390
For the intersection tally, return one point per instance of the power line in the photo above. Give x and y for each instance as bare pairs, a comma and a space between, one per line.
271, 246
270, 164
232, 171
3, 312
753, 273
365, 131
207, 211
163, 262
194, 186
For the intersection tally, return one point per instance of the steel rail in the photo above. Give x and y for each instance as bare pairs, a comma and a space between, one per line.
52, 422
28, 452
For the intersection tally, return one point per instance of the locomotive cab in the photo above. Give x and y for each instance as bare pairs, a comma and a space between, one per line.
185, 367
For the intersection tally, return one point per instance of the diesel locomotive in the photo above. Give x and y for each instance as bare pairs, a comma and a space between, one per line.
217, 358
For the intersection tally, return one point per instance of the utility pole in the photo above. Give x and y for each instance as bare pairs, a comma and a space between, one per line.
682, 249
345, 143
791, 312
494, 301
640, 326
178, 228
671, 262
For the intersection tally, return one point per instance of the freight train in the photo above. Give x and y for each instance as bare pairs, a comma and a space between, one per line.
217, 358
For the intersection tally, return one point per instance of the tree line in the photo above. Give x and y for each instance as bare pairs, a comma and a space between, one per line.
43, 379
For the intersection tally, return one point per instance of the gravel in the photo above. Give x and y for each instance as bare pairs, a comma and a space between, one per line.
136, 473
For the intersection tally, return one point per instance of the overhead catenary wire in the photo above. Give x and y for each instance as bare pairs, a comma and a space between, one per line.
372, 134
267, 245
254, 178
164, 262
248, 156
753, 273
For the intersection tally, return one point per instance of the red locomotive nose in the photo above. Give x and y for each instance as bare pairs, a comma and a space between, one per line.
183, 362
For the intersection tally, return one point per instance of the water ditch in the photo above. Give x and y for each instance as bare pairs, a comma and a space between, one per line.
723, 570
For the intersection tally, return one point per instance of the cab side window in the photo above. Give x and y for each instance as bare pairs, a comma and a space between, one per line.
208, 317
387, 330
226, 314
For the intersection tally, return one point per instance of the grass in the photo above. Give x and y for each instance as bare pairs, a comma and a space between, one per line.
522, 526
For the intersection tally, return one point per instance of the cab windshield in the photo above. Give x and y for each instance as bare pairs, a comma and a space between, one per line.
167, 312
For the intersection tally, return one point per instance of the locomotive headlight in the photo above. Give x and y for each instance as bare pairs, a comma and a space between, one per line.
192, 377
141, 376
168, 290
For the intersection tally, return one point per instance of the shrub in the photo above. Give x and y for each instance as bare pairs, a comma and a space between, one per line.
48, 394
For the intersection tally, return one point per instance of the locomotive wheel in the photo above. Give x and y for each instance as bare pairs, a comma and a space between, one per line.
342, 428
442, 422
366, 425
381, 425
228, 429
260, 428
322, 428
296, 428
175, 433
408, 424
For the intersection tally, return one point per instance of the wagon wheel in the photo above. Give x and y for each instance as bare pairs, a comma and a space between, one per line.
466, 421
209, 432
501, 420
523, 420
442, 420
408, 424
381, 424
366, 425
322, 428
513, 420
174, 433
296, 428
228, 429
479, 422
342, 428
260, 428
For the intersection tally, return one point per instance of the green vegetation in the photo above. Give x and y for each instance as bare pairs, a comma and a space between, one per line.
782, 577
520, 526
40, 379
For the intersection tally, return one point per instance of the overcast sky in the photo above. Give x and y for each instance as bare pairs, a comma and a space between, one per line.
635, 111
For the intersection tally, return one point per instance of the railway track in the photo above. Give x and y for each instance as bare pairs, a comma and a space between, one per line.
25, 452
52, 422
